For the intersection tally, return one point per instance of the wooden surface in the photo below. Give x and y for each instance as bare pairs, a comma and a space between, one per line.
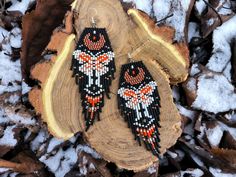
58, 100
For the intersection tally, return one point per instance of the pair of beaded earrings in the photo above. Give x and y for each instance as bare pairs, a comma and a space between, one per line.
93, 67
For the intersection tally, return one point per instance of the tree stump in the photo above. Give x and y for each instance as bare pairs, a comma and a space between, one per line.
58, 99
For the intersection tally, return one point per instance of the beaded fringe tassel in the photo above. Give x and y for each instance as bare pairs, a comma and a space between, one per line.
93, 67
139, 103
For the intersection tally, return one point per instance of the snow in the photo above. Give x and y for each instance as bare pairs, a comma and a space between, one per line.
194, 70
53, 143
225, 10
3, 33
61, 162
21, 120
214, 135
8, 137
218, 173
3, 170
21, 6
231, 130
202, 131
227, 71
162, 8
88, 150
215, 94
15, 38
186, 112
180, 153
222, 37
25, 88
200, 6
191, 84
13, 99
211, 21
41, 137
172, 154
197, 160
193, 30
144, 5
231, 116
10, 72
152, 169
194, 173
83, 169
3, 118
7, 116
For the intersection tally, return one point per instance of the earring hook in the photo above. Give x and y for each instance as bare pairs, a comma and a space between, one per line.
93, 22
130, 58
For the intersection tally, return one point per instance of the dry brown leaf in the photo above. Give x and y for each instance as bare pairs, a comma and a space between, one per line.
44, 19
228, 141
23, 163
227, 155
213, 18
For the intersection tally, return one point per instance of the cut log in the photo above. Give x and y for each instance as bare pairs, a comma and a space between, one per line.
58, 100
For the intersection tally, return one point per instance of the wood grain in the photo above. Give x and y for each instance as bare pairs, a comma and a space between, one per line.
59, 101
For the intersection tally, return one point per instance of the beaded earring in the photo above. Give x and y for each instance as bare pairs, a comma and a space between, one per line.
93, 67
139, 103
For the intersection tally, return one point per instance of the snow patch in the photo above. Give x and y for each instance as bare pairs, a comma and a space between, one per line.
194, 173
61, 162
25, 88
88, 150
191, 84
15, 38
186, 112
21, 6
193, 30
13, 99
162, 8
8, 138
53, 143
197, 160
41, 137
144, 5
222, 37
2, 170
152, 169
214, 135
200, 6
10, 72
194, 70
210, 22
215, 94
218, 173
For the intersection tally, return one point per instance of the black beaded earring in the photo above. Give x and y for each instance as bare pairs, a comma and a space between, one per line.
139, 103
93, 67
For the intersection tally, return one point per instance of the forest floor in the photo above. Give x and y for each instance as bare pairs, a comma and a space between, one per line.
206, 100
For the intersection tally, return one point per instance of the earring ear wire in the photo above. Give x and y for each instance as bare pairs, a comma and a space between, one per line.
130, 60
93, 22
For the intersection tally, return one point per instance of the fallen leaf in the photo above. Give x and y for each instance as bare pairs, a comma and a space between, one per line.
45, 18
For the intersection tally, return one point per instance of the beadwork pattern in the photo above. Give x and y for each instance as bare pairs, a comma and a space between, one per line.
139, 103
93, 67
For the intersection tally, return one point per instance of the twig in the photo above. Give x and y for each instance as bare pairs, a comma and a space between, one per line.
168, 16
208, 4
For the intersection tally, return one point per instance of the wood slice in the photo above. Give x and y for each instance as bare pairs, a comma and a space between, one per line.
58, 100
